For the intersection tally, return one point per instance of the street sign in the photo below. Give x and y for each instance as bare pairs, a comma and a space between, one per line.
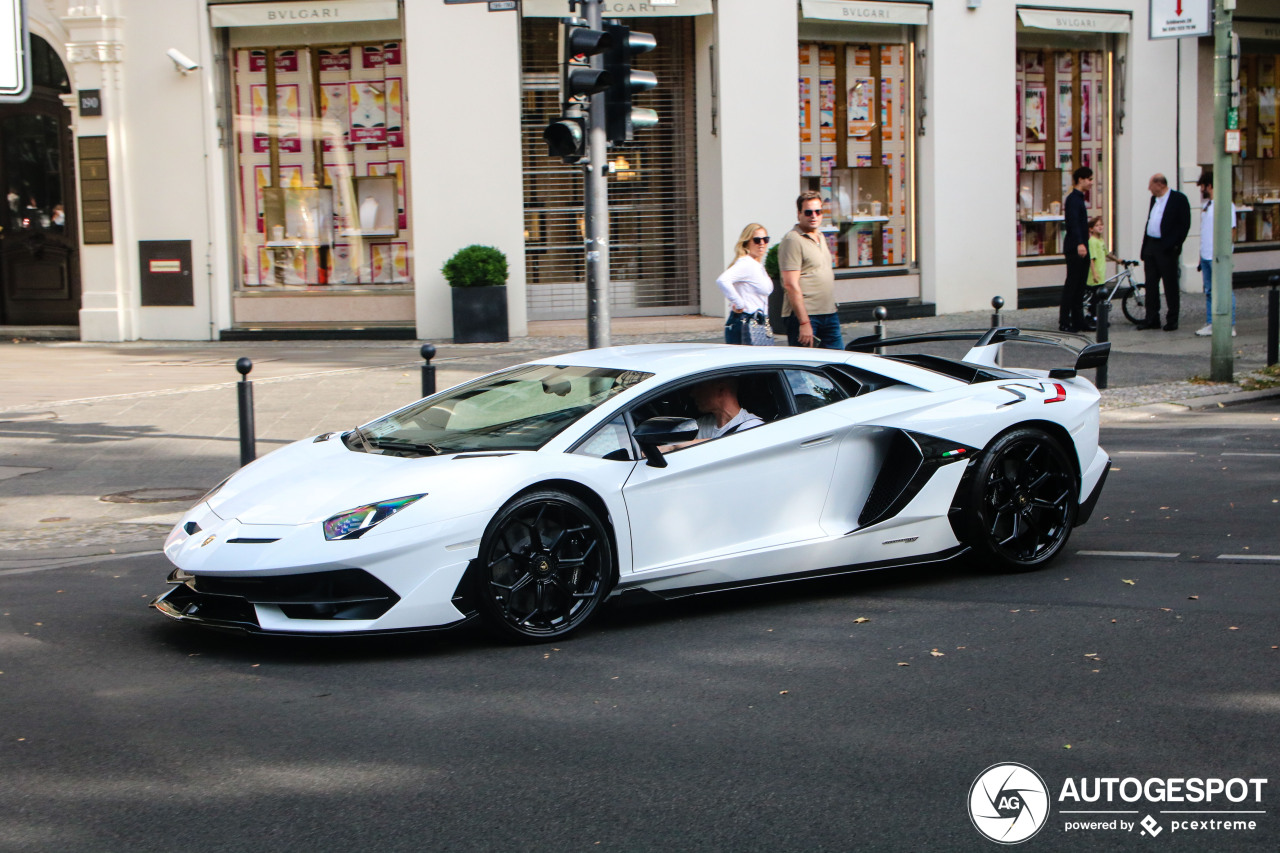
90, 102
1173, 19
15, 52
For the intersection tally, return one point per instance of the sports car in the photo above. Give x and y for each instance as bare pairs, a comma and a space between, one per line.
529, 496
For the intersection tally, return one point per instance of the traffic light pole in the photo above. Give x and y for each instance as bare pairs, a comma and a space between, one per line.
1220, 355
597, 205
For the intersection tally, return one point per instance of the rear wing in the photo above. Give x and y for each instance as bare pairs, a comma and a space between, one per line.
985, 352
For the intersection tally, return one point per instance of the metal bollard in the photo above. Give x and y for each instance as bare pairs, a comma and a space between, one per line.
1273, 322
1103, 334
881, 313
244, 391
997, 302
428, 352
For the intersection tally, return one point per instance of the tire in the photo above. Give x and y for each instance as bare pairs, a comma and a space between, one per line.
1021, 501
545, 564
1133, 306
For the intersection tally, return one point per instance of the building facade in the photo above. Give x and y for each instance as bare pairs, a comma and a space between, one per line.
205, 168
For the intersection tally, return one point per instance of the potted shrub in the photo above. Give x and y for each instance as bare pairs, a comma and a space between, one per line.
477, 276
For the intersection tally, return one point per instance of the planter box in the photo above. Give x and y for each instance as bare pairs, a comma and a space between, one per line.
479, 314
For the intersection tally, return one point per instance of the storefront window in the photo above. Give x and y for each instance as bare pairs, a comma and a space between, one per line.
855, 143
1257, 179
322, 167
1063, 95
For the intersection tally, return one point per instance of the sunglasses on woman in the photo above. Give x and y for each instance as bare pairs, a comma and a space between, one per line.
760, 241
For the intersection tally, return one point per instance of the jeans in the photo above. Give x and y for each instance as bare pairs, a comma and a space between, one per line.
1206, 271
826, 331
733, 327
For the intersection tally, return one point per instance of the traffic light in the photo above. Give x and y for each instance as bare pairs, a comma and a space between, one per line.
580, 44
566, 136
621, 119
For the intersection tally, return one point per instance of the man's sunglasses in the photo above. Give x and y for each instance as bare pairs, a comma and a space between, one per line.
760, 241
816, 212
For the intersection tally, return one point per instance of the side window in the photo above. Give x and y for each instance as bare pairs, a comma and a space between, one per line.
610, 441
812, 390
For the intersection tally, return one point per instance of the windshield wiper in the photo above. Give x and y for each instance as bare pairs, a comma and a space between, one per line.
364, 442
418, 447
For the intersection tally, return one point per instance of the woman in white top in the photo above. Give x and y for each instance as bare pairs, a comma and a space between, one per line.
745, 283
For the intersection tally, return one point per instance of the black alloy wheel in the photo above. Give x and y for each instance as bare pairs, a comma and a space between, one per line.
545, 565
1022, 501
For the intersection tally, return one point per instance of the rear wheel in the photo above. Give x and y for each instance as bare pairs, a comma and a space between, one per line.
1021, 501
545, 565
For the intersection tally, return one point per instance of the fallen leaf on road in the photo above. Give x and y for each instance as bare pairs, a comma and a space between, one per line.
783, 692
1167, 609
938, 654
1130, 583
1066, 746
900, 663
861, 619
1194, 597
1233, 628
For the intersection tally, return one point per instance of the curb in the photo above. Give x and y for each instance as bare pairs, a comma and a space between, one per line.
1233, 399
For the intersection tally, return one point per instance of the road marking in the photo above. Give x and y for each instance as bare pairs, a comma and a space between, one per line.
1271, 557
1229, 453
1154, 453
1143, 554
77, 561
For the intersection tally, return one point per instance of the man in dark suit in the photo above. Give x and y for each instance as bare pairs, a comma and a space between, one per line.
1075, 247
1168, 221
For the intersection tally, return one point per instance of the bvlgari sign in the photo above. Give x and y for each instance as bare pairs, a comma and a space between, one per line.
1074, 21
856, 12
295, 12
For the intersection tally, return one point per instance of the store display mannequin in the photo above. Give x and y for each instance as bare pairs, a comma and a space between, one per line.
368, 213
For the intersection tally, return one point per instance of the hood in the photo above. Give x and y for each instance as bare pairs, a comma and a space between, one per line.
309, 481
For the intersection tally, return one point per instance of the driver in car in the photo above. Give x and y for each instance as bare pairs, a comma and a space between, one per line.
722, 414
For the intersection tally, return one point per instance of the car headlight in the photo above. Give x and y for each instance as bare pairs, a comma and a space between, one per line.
354, 523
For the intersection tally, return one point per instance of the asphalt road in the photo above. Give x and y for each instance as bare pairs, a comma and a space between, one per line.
768, 720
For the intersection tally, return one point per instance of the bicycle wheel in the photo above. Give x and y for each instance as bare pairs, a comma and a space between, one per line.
1134, 306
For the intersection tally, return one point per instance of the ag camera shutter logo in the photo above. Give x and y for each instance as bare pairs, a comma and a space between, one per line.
1008, 803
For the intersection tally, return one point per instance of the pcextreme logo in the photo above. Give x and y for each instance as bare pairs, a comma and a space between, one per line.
1009, 803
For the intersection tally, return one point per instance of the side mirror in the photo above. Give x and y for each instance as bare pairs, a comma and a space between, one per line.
666, 429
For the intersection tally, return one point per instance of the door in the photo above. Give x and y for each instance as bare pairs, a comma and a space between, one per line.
755, 489
39, 240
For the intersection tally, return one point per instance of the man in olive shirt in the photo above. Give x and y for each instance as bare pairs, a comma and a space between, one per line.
808, 282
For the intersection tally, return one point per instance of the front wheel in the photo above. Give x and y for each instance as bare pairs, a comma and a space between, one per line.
545, 565
1134, 306
1021, 501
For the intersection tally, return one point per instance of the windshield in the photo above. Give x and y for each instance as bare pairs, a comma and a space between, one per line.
517, 409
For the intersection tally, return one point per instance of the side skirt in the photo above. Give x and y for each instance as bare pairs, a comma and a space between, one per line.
835, 571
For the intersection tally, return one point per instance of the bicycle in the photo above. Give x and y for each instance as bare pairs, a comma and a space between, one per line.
1132, 295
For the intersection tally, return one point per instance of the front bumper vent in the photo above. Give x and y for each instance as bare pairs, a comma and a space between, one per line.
229, 601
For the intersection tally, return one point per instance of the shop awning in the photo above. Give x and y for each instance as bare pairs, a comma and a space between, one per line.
293, 13
866, 12
1074, 21
620, 8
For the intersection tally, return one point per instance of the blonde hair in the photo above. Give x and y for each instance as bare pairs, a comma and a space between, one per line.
740, 248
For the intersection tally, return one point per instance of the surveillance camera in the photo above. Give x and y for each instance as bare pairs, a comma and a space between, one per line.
181, 61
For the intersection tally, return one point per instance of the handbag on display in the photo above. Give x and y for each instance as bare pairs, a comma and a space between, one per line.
756, 331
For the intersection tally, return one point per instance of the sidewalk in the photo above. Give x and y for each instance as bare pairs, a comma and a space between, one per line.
105, 445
